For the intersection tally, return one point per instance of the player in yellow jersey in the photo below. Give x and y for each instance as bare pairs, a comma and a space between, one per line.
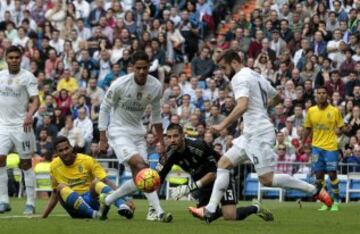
322, 121
78, 181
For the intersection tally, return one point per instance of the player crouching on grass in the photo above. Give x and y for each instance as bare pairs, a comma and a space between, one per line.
199, 159
78, 181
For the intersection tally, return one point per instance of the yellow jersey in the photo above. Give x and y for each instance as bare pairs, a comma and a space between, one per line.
70, 85
79, 175
323, 124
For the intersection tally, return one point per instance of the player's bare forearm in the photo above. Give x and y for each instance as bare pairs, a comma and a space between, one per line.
103, 135
34, 105
110, 183
237, 112
307, 134
51, 204
274, 101
159, 132
208, 178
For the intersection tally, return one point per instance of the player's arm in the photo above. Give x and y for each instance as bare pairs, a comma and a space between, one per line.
211, 164
275, 101
166, 167
241, 89
307, 126
109, 182
104, 117
32, 90
156, 121
51, 204
240, 108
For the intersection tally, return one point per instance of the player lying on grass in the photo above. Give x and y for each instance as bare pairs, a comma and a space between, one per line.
78, 181
199, 159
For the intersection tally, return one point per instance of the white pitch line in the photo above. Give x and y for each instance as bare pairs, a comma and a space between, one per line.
30, 216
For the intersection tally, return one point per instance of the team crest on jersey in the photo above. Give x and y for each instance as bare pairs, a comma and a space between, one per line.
81, 169
329, 116
139, 96
148, 97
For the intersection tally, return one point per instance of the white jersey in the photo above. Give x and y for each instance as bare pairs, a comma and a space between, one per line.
126, 101
248, 83
15, 93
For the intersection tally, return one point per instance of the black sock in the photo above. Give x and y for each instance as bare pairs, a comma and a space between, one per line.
243, 212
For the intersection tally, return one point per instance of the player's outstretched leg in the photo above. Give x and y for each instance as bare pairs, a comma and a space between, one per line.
74, 204
4, 197
289, 182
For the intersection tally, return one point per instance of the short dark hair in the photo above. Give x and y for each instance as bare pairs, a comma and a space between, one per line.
139, 55
229, 55
61, 139
175, 126
14, 49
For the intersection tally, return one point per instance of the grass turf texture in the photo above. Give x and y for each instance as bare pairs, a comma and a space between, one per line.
289, 218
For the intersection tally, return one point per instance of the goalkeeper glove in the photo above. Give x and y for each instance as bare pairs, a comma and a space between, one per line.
184, 190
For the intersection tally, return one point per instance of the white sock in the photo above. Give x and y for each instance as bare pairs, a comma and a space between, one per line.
220, 185
287, 181
30, 180
154, 201
127, 188
4, 196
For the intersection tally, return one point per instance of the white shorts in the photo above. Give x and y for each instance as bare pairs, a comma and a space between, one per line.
126, 146
258, 149
24, 142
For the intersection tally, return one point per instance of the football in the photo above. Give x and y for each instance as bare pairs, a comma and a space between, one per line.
147, 180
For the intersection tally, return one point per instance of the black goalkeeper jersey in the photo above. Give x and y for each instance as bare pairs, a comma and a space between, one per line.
197, 159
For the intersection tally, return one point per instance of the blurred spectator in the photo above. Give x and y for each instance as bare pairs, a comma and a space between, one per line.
44, 146
284, 160
84, 123
73, 133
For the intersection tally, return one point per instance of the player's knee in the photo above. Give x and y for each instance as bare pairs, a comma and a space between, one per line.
224, 163
2, 161
136, 164
228, 215
266, 181
25, 164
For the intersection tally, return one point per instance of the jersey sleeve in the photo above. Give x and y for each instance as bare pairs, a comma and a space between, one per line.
307, 122
156, 111
97, 170
54, 182
339, 119
241, 87
211, 158
32, 86
167, 166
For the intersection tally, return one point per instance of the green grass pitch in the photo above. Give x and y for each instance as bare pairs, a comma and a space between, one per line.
289, 219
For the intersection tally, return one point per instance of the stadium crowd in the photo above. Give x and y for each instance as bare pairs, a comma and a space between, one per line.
77, 48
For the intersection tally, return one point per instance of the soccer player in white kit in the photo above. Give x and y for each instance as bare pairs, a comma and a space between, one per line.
124, 105
252, 93
19, 101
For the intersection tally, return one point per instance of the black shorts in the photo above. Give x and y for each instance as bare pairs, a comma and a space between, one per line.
203, 195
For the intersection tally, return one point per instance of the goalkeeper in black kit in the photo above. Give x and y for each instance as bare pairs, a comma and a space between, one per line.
198, 159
